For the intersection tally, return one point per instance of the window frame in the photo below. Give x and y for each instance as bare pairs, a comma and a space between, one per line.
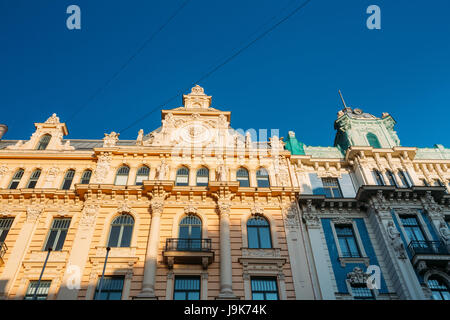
63, 185
262, 169
5, 224
378, 178
83, 178
58, 234
258, 227
46, 143
199, 170
344, 260
331, 188
119, 174
187, 291
273, 279
15, 179
141, 175
247, 176
390, 175
29, 296
177, 175
122, 277
34, 179
122, 227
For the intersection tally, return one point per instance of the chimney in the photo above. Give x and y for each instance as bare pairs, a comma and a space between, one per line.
3, 130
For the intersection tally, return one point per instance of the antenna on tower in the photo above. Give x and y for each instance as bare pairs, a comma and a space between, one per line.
342, 98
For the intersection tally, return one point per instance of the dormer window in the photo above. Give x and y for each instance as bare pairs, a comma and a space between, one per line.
373, 140
43, 143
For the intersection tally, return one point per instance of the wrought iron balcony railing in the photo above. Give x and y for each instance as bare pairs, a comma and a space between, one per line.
3, 249
179, 244
417, 247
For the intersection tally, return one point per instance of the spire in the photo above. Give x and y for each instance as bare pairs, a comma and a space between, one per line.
197, 99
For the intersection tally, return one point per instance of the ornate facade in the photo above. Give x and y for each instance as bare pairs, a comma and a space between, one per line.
198, 210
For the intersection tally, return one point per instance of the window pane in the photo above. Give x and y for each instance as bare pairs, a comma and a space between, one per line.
62, 237
51, 239
258, 296
271, 296
252, 237
114, 236
193, 296
126, 236
264, 239
179, 296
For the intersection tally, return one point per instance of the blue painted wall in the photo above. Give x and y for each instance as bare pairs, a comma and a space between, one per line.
340, 273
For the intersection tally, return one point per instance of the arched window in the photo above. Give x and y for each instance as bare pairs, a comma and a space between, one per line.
86, 177
121, 231
258, 232
242, 177
142, 175
182, 178
378, 177
391, 178
439, 288
34, 179
68, 178
43, 143
373, 140
202, 177
190, 233
262, 178
122, 176
403, 178
16, 179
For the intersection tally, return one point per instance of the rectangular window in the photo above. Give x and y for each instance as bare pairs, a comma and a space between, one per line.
57, 235
362, 293
41, 292
112, 288
5, 225
187, 288
331, 187
264, 288
412, 228
347, 241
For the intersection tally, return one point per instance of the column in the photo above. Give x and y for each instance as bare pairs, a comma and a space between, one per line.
226, 280
297, 253
79, 253
20, 247
320, 256
148, 284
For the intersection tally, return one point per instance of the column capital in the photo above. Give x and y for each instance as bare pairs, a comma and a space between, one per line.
223, 207
157, 206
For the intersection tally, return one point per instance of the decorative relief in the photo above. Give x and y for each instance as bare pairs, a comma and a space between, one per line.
110, 140
140, 138
88, 216
261, 253
444, 232
157, 206
33, 213
310, 217
434, 210
53, 119
357, 277
3, 170
52, 173
124, 208
396, 241
257, 211
162, 171
291, 216
342, 220
222, 172
281, 172
190, 210
102, 169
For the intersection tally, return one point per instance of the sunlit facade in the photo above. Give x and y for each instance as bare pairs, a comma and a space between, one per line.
196, 210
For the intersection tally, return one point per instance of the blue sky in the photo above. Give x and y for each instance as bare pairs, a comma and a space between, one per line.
289, 80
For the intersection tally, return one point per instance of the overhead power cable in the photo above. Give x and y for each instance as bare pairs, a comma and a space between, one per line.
221, 64
130, 59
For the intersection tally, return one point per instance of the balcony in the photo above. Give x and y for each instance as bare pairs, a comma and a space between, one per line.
426, 254
3, 249
188, 251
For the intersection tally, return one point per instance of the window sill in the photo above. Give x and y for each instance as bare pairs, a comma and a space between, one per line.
345, 260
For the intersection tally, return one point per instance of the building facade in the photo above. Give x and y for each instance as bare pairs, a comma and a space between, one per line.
198, 210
